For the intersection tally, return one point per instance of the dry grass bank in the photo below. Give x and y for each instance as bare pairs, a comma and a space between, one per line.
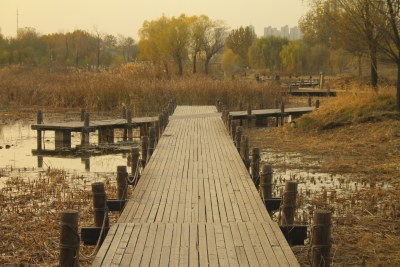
356, 135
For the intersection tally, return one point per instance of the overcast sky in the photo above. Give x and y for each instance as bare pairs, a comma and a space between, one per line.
126, 16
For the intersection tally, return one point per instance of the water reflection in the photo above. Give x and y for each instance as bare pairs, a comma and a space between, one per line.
21, 153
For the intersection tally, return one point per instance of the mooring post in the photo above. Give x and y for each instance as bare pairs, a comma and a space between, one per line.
288, 203
321, 239
144, 144
69, 239
152, 142
99, 205
238, 137
244, 151
135, 154
85, 130
130, 126
317, 103
266, 182
122, 185
255, 166
39, 132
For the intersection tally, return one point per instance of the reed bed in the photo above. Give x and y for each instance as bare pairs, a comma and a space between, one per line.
135, 85
30, 203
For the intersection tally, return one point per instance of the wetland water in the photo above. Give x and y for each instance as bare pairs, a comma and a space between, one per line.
18, 140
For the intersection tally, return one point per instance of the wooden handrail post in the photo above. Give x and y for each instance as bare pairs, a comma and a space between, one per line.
85, 131
122, 185
135, 154
152, 141
266, 182
255, 166
238, 137
244, 151
288, 203
130, 126
69, 239
144, 144
39, 132
99, 205
321, 239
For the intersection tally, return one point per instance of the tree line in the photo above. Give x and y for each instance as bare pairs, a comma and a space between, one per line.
172, 44
79, 49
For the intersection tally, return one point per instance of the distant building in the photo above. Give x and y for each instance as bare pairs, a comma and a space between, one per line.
293, 33
285, 31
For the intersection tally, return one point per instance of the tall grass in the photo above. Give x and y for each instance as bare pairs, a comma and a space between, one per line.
138, 86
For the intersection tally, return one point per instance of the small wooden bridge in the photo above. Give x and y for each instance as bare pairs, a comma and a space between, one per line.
195, 205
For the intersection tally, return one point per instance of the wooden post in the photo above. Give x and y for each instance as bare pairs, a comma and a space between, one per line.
309, 102
99, 205
122, 185
152, 142
39, 133
321, 239
144, 144
288, 203
282, 114
249, 115
69, 239
321, 80
156, 131
124, 112
244, 151
266, 182
255, 166
135, 154
234, 125
238, 137
129, 121
85, 130
161, 123
83, 111
317, 103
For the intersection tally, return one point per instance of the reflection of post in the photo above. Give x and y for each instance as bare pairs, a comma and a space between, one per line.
39, 133
40, 161
87, 163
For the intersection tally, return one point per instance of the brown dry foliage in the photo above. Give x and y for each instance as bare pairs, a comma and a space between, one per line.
136, 85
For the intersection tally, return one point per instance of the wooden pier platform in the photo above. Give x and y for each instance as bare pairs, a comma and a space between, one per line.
78, 126
195, 205
270, 112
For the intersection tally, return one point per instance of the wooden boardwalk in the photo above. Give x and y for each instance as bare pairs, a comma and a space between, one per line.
195, 205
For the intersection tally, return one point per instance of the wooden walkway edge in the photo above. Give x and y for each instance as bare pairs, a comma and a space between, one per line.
195, 205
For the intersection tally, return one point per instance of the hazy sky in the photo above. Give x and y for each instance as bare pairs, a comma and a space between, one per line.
126, 16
